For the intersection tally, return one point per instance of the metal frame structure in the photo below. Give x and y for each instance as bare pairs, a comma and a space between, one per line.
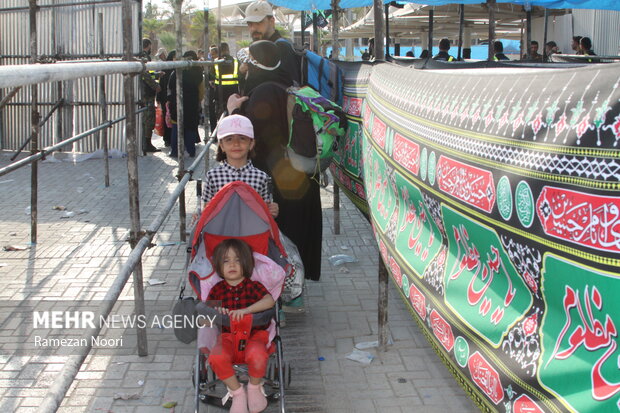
72, 102
16, 77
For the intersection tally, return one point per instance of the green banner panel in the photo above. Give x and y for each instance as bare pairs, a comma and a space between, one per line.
494, 195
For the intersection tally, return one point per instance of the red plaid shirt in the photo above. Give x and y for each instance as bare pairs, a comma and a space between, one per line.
243, 295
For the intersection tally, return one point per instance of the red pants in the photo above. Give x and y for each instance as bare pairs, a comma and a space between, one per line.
255, 355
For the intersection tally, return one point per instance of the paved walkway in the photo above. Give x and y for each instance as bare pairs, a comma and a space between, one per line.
76, 258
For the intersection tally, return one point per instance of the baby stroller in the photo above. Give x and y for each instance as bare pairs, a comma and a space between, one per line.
237, 211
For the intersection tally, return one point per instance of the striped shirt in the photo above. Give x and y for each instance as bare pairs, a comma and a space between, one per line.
225, 173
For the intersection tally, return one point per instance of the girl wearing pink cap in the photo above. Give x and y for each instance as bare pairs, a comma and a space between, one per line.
235, 136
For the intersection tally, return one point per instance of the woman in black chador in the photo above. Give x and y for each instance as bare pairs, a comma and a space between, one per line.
298, 195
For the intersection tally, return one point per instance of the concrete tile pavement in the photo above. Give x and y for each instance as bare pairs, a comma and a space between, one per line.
77, 258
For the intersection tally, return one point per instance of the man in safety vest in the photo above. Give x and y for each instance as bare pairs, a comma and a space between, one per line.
498, 49
444, 46
225, 77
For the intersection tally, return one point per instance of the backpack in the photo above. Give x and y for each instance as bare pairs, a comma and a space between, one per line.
323, 75
315, 126
320, 73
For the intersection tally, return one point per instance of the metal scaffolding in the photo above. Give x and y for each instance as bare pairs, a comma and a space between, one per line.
16, 77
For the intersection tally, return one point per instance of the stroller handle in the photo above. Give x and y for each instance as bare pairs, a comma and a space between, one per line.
258, 319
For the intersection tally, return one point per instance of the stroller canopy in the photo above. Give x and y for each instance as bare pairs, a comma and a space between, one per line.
236, 211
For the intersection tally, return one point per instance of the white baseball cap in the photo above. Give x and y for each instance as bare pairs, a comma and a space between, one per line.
235, 125
257, 11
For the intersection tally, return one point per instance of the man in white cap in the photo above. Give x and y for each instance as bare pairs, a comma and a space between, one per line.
162, 54
262, 26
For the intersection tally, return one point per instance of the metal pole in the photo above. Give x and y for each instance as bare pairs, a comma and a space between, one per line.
461, 27
383, 305
303, 28
59, 96
336, 208
545, 35
180, 115
23, 75
140, 30
522, 41
104, 108
379, 30
41, 123
335, 28
205, 100
431, 16
528, 30
48, 6
349, 42
387, 30
491, 6
9, 96
315, 35
219, 22
34, 122
132, 172
50, 149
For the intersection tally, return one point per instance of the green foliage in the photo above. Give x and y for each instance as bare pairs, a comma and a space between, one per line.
158, 23
195, 31
284, 32
152, 27
243, 43
168, 40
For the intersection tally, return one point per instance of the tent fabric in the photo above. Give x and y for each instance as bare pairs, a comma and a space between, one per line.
550, 4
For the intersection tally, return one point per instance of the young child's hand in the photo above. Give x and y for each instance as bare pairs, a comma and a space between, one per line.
237, 315
222, 310
274, 209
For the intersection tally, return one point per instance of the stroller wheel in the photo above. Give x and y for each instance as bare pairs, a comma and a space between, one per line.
203, 371
273, 376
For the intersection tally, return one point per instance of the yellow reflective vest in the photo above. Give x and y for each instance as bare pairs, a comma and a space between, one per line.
227, 79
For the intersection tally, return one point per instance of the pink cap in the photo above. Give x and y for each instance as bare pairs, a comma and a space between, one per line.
235, 125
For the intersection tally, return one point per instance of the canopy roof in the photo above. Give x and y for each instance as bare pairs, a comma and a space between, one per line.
550, 4
412, 21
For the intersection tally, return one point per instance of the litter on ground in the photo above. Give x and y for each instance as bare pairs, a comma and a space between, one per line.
360, 356
340, 259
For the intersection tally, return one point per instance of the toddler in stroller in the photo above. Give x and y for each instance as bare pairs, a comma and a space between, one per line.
236, 238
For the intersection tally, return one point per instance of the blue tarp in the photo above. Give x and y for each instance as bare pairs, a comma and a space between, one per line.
550, 4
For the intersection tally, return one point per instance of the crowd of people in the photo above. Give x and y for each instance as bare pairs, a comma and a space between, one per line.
580, 46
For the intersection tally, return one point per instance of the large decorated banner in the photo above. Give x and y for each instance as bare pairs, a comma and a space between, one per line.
494, 195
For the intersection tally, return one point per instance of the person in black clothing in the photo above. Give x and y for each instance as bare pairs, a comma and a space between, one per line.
262, 25
150, 88
498, 48
533, 55
162, 95
585, 45
551, 48
575, 44
586, 49
193, 92
444, 46
297, 194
